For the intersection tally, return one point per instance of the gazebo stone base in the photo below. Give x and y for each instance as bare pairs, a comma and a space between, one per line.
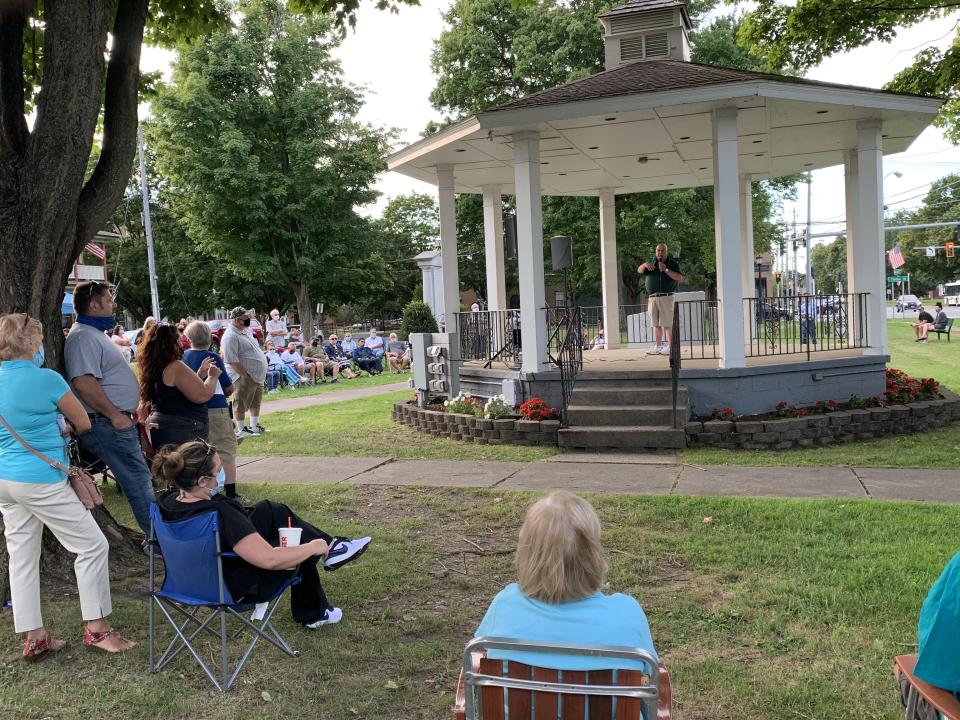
825, 429
467, 428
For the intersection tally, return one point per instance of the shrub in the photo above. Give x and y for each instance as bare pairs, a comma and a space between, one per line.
723, 414
784, 409
463, 404
826, 406
417, 318
537, 409
496, 408
902, 388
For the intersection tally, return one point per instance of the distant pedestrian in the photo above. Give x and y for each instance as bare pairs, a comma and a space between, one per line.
662, 276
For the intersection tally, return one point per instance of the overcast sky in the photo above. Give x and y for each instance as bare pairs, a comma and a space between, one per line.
389, 55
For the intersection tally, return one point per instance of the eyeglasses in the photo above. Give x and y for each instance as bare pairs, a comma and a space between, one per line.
210, 451
96, 287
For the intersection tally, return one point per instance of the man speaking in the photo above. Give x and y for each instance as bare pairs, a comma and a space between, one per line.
661, 275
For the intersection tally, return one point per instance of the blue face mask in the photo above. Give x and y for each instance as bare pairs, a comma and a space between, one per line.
39, 357
221, 481
100, 323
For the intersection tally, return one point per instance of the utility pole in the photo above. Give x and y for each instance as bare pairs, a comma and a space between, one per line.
795, 278
148, 229
809, 279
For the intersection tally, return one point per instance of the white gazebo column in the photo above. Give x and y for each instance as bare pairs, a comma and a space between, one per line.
747, 266
493, 246
866, 271
533, 324
851, 186
610, 279
448, 246
726, 211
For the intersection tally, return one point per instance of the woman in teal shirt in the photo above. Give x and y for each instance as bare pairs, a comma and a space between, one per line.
938, 632
34, 495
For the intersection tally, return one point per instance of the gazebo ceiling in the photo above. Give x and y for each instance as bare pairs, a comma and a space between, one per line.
647, 126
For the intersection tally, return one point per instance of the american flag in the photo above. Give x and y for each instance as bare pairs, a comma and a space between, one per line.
896, 257
95, 249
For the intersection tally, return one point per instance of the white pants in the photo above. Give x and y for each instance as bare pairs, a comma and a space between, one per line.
26, 508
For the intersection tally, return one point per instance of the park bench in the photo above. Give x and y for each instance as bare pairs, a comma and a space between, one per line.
500, 690
940, 700
946, 330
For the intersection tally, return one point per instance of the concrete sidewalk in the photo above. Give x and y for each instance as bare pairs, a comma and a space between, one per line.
614, 473
296, 403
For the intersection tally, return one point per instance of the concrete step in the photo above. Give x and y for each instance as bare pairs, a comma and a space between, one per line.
622, 437
636, 396
632, 415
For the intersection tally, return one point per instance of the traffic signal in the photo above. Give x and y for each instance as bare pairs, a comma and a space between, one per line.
949, 247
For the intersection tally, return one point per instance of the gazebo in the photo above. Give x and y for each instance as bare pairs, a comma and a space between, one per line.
653, 120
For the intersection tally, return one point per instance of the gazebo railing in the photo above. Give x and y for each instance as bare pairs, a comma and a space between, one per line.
564, 343
807, 324
697, 335
491, 336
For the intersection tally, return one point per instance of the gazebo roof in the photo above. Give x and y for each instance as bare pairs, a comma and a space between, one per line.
647, 126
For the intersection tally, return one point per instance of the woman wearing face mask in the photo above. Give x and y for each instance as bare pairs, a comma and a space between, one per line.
176, 394
195, 474
34, 495
348, 345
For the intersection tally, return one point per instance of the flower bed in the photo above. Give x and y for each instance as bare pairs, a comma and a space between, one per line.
470, 428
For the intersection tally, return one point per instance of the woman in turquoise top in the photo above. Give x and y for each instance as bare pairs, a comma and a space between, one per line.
34, 495
938, 632
560, 569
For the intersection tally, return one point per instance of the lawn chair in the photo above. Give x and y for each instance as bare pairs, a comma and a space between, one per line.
937, 698
193, 581
946, 330
505, 690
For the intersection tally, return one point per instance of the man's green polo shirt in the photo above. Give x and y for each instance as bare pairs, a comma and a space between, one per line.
659, 282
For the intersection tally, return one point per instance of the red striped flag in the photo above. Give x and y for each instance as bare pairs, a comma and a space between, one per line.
95, 249
895, 254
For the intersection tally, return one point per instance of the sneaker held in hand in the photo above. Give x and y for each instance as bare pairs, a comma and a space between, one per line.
343, 551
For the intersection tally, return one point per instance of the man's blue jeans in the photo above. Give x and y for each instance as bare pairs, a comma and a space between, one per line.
120, 450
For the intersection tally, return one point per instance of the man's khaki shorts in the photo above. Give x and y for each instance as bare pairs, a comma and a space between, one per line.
249, 395
661, 311
220, 435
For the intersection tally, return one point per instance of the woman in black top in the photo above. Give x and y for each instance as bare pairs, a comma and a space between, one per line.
176, 394
195, 474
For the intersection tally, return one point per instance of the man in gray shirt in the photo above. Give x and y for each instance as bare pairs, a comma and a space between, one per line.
247, 367
108, 389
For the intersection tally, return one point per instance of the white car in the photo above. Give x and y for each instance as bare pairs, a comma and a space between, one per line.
952, 300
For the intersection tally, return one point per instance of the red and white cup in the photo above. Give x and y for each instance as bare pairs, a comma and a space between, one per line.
290, 537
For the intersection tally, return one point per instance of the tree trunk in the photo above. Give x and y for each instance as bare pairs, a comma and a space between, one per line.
305, 311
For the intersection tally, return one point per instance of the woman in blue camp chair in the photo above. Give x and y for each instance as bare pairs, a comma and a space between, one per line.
938, 632
560, 569
195, 475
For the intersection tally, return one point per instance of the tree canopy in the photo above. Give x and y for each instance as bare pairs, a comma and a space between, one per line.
262, 157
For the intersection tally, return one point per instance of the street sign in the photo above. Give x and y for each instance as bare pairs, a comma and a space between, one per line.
897, 278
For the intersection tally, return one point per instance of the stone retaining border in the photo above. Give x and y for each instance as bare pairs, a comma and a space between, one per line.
825, 429
471, 429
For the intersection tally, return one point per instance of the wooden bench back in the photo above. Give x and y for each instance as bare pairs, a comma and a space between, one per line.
527, 704
940, 699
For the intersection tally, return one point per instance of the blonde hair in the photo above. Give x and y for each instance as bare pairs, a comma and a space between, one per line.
559, 556
17, 333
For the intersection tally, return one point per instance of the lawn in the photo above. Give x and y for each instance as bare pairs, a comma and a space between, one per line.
363, 381
776, 609
364, 427
936, 449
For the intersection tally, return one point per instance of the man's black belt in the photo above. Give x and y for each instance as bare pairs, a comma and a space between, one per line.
660, 294
128, 413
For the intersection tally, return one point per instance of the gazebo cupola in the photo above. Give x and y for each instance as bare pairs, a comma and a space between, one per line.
646, 30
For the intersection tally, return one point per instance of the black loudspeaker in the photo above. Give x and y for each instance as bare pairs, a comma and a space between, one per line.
510, 234
561, 252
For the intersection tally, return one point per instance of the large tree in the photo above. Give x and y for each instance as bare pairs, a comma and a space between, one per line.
801, 34
266, 164
58, 78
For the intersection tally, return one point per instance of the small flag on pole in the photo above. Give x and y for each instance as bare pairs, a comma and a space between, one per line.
931, 251
95, 249
896, 257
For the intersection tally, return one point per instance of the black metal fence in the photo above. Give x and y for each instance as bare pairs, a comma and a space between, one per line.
696, 328
806, 323
564, 341
491, 336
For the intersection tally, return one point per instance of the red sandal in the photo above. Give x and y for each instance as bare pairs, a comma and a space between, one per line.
93, 639
45, 647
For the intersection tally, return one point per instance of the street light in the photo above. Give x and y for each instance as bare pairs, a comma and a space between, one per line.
895, 173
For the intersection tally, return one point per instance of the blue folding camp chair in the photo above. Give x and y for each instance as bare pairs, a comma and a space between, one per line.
193, 582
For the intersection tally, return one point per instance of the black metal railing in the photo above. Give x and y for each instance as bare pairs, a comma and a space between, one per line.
632, 332
696, 328
565, 347
806, 323
491, 336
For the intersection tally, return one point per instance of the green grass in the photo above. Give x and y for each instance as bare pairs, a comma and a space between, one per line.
330, 387
364, 427
935, 449
778, 609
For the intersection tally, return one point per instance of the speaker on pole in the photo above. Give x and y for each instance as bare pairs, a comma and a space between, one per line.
510, 234
561, 252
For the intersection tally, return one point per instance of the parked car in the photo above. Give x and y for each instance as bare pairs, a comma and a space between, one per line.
907, 302
218, 327
767, 311
952, 300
